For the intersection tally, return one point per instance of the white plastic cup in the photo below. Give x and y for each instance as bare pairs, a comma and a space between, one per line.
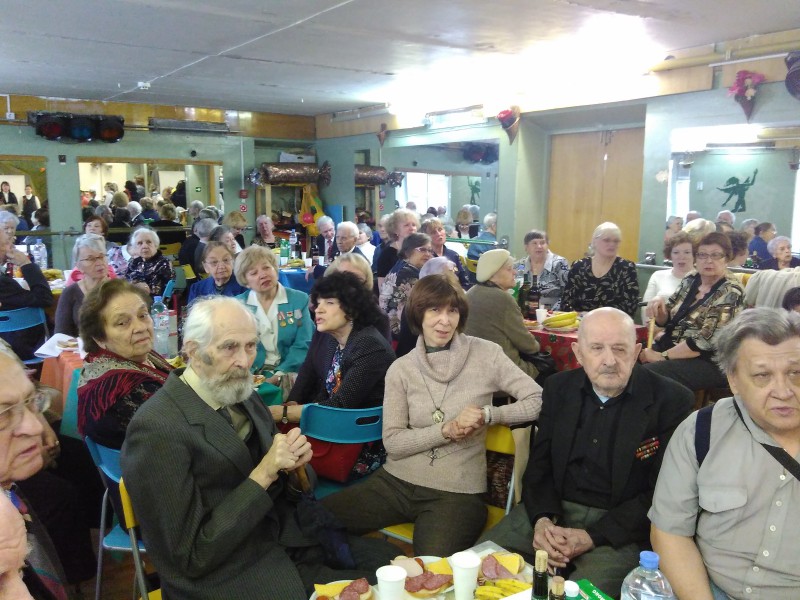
391, 582
541, 314
282, 261
307, 262
465, 574
303, 255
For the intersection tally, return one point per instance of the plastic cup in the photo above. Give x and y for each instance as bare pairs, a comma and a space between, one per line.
391, 582
283, 260
307, 262
303, 255
465, 574
541, 314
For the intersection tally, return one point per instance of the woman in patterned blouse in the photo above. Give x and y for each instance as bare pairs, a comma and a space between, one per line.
605, 279
551, 270
415, 252
693, 316
151, 270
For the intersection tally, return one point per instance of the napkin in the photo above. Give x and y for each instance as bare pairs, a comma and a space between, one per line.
50, 348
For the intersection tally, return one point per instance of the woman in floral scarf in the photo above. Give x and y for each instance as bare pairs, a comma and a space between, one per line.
415, 252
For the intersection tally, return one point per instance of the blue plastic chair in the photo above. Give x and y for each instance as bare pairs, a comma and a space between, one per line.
23, 318
107, 462
341, 426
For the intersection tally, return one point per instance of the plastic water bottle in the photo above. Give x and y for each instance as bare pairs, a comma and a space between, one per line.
292, 243
646, 582
161, 326
40, 254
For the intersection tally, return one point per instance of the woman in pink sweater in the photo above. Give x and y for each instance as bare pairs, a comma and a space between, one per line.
437, 404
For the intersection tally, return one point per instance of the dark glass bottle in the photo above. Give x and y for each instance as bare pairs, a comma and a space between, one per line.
534, 295
522, 298
314, 253
557, 589
540, 591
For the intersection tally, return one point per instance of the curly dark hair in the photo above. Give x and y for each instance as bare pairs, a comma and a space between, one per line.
679, 238
791, 299
91, 320
356, 301
101, 220
739, 241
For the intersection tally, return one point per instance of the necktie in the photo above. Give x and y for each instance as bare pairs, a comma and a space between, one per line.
226, 414
330, 250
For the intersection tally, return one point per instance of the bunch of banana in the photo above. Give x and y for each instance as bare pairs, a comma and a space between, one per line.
296, 262
500, 588
563, 320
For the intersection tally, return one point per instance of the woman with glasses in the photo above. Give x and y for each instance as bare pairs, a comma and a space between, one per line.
218, 263
415, 251
693, 316
604, 278
89, 258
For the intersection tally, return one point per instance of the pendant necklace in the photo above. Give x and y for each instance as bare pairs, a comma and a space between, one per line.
437, 415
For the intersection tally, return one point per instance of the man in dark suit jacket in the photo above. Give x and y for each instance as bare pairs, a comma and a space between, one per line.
206, 469
325, 240
594, 462
346, 237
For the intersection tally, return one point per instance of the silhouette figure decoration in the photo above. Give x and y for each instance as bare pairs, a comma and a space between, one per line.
734, 188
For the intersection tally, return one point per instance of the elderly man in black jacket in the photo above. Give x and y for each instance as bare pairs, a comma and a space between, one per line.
594, 462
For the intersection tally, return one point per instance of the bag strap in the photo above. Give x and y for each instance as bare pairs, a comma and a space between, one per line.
702, 434
778, 453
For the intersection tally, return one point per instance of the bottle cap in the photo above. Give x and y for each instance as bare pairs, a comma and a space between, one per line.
557, 585
571, 589
156, 299
648, 559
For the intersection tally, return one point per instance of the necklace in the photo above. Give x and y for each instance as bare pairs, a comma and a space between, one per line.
438, 414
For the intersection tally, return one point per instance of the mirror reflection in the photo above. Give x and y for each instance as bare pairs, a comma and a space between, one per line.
23, 183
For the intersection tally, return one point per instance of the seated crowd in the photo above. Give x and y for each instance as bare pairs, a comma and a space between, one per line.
216, 463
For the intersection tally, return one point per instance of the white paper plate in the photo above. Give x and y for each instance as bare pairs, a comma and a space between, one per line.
374, 589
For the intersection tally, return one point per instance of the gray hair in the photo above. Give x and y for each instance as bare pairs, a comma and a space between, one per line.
358, 261
265, 218
196, 206
490, 220
199, 325
250, 258
87, 240
436, 266
365, 229
348, 227
771, 326
134, 208
747, 223
104, 212
324, 220
604, 228
729, 217
8, 217
772, 245
145, 231
474, 210
398, 217
208, 213
204, 227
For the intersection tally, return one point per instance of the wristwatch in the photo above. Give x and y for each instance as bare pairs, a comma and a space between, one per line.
664, 355
285, 417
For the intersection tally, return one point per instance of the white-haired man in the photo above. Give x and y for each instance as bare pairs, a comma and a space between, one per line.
488, 234
724, 514
324, 241
346, 238
726, 216
207, 473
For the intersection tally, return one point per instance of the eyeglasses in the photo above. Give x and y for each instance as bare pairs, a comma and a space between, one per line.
93, 260
215, 263
711, 256
424, 250
11, 416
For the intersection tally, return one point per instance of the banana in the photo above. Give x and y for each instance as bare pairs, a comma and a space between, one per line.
557, 319
511, 586
489, 592
562, 324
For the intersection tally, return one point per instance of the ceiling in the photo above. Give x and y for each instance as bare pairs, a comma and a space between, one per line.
310, 57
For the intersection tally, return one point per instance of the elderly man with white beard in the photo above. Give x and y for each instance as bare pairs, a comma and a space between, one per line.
207, 473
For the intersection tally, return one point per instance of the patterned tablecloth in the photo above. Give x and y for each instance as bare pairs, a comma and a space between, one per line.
57, 373
559, 345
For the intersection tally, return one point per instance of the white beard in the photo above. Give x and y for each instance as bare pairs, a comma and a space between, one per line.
231, 388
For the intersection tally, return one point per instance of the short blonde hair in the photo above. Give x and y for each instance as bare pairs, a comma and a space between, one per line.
398, 217
358, 261
604, 228
251, 257
235, 219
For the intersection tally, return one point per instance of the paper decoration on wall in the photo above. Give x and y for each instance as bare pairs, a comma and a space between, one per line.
368, 175
733, 187
289, 173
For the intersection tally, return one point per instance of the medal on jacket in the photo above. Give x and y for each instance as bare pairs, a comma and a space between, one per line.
298, 316
289, 318
438, 416
281, 319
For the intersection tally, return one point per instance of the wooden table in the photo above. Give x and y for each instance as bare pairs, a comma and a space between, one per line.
57, 373
559, 345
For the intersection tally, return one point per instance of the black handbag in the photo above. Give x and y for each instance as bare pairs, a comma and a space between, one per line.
544, 363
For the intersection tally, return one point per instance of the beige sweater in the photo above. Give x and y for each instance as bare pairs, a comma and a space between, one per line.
467, 374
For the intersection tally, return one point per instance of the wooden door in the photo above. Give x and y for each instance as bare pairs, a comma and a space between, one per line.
594, 177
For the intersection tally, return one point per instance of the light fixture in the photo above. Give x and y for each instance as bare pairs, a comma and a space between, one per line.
355, 114
191, 126
77, 128
459, 117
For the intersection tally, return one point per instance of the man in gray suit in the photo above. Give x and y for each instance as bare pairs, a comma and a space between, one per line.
206, 470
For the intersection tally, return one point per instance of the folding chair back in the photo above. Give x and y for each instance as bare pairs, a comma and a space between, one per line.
23, 318
69, 418
130, 524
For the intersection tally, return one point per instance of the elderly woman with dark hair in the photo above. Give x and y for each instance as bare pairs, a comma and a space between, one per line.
764, 232
693, 317
435, 411
218, 263
415, 252
348, 357
96, 224
550, 269
605, 278
150, 270
780, 248
89, 259
122, 371
680, 251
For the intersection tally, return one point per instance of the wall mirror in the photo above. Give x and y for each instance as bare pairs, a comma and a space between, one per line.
20, 171
203, 178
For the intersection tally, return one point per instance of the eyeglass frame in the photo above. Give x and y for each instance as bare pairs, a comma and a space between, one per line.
424, 249
37, 403
94, 260
709, 256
